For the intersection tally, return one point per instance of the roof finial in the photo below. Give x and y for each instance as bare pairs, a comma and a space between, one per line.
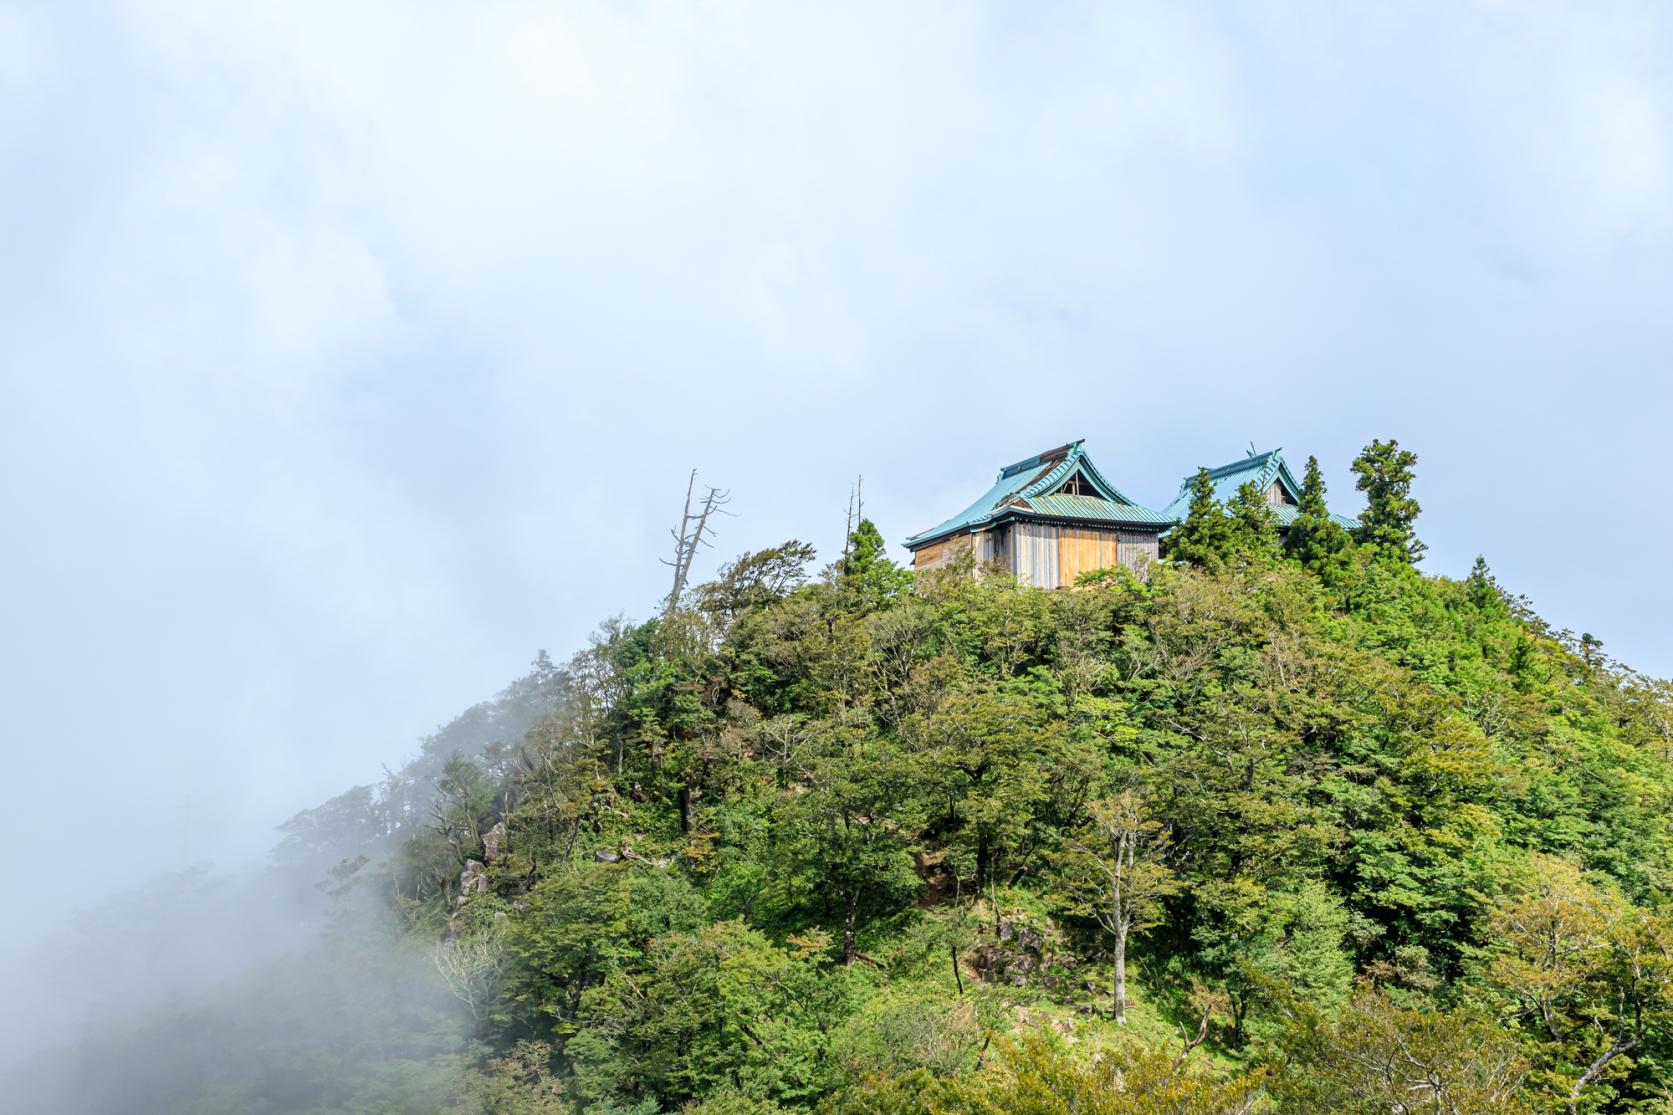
1252, 451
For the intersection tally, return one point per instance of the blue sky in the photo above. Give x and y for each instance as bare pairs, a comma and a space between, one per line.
353, 353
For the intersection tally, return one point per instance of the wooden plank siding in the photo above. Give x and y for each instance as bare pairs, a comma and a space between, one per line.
1044, 554
1036, 549
937, 554
988, 546
1137, 548
1081, 550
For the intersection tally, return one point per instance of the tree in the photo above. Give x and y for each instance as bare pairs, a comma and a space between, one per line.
1254, 526
755, 581
717, 1007
1205, 537
840, 827
473, 968
1120, 872
866, 573
693, 534
1377, 1058
1586, 973
465, 802
1040, 1077
1385, 476
989, 753
1314, 538
1480, 587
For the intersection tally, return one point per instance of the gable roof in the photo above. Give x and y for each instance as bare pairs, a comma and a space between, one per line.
1028, 489
1262, 468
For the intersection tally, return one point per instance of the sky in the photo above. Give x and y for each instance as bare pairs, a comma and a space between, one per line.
350, 354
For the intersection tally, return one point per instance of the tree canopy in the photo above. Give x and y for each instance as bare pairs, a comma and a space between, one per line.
1273, 830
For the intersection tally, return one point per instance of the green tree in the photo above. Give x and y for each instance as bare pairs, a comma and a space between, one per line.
1390, 518
990, 754
1376, 1057
1039, 1077
866, 572
1587, 975
1205, 537
755, 581
719, 1008
1314, 538
1118, 873
841, 828
1480, 587
1254, 525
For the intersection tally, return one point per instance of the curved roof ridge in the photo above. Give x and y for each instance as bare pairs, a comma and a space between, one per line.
1263, 468
1035, 479
1076, 459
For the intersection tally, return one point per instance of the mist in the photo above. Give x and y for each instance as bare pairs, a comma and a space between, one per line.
287, 981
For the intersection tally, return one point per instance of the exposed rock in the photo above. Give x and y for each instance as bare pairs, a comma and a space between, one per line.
493, 842
940, 883
605, 855
1022, 953
472, 880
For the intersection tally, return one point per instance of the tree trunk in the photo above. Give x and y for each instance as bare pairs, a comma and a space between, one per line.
1121, 978
1595, 1070
850, 918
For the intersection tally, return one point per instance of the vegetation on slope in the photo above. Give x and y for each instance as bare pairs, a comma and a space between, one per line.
1361, 839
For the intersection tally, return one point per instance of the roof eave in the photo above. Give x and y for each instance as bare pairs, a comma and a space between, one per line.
1010, 512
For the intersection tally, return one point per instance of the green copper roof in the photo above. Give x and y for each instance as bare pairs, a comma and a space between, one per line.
1263, 469
1028, 489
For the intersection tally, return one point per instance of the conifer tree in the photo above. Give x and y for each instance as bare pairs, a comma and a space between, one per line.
1385, 476
1482, 589
867, 569
1204, 538
1254, 527
1314, 538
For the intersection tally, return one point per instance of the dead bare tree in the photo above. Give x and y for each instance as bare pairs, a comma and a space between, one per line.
473, 968
694, 533
856, 512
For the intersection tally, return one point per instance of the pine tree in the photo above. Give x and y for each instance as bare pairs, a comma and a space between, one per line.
1254, 527
1385, 476
1481, 588
1314, 538
1204, 538
867, 570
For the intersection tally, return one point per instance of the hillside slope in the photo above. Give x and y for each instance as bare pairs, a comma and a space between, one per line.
1360, 837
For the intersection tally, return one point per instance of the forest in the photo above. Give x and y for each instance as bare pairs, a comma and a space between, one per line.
1281, 824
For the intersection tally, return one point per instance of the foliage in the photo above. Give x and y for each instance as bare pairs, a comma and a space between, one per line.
1254, 526
1375, 1057
1040, 1077
1205, 537
1385, 476
1376, 841
1314, 539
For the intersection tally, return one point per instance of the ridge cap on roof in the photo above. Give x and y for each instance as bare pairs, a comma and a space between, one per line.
1052, 455
1019, 483
1253, 460
1077, 459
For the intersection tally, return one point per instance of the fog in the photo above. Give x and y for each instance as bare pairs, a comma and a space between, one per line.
351, 356
288, 982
